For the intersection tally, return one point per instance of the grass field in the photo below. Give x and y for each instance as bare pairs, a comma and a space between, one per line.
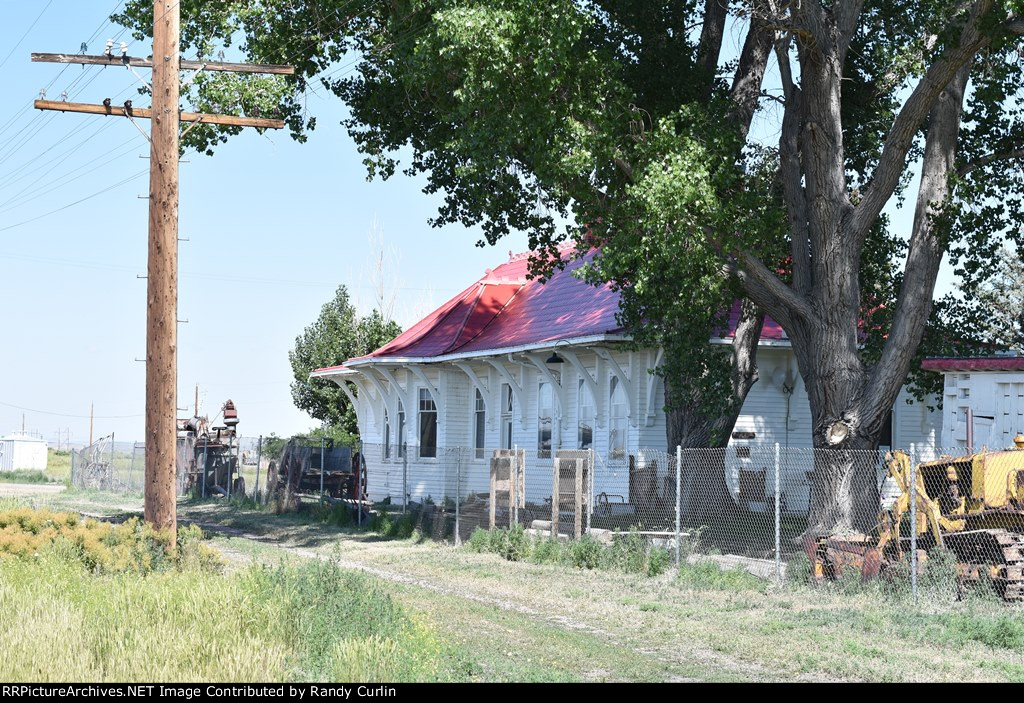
139, 618
495, 619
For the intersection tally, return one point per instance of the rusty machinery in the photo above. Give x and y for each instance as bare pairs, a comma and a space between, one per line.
208, 455
314, 465
971, 505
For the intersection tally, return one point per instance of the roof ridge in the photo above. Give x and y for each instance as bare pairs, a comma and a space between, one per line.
496, 315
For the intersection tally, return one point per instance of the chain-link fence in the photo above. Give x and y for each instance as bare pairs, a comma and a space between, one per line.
108, 465
765, 509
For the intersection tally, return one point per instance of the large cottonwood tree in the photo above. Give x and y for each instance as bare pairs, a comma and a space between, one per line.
635, 117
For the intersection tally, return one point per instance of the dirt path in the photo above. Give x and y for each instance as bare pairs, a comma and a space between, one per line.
27, 490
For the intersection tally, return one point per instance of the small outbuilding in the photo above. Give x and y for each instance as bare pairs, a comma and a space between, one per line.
21, 450
982, 400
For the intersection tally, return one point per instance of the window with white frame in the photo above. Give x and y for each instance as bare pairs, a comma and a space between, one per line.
400, 439
428, 424
507, 403
479, 426
545, 410
616, 420
585, 413
387, 435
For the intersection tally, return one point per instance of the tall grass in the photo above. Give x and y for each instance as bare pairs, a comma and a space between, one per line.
64, 617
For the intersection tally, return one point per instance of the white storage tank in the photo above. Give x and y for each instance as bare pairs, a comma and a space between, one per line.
22, 451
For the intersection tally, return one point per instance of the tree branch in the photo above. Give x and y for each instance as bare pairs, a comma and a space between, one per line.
894, 152
746, 86
772, 295
710, 46
984, 161
925, 251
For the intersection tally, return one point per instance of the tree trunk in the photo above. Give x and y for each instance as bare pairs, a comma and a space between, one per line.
704, 492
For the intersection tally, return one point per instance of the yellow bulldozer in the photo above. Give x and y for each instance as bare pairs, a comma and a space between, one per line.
971, 505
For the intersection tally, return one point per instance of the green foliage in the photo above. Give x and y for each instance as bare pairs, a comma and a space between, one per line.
335, 514
337, 335
393, 526
273, 447
24, 476
525, 113
706, 575
999, 632
132, 546
314, 622
629, 553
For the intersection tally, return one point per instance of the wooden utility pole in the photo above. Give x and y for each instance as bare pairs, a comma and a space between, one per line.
162, 269
90, 423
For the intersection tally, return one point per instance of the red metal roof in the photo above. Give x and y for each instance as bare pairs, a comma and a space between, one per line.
976, 363
504, 309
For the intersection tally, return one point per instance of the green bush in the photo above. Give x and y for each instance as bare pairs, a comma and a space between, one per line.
586, 553
479, 540
100, 546
393, 527
658, 561
630, 553
707, 576
547, 551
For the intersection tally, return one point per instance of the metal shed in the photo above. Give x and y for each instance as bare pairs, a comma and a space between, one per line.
22, 451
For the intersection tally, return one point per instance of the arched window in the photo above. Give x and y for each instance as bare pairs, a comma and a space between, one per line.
545, 411
585, 413
616, 421
479, 426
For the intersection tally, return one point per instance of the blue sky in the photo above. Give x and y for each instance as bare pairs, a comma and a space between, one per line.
273, 228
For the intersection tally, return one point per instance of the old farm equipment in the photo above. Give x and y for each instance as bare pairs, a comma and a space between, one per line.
971, 505
315, 466
208, 456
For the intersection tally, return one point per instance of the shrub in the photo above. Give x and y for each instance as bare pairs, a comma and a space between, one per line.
479, 540
516, 546
100, 546
389, 527
658, 561
586, 553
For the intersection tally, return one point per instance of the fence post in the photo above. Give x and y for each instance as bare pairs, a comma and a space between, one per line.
322, 444
405, 476
131, 467
679, 473
113, 473
259, 461
458, 493
590, 487
514, 476
206, 446
359, 484
778, 517
914, 458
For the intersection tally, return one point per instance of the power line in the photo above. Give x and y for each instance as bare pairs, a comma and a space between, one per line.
81, 200
15, 47
80, 417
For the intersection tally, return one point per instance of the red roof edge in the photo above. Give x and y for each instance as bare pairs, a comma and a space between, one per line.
976, 363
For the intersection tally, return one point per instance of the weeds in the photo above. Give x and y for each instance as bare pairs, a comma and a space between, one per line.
99, 546
629, 553
704, 576
24, 476
388, 527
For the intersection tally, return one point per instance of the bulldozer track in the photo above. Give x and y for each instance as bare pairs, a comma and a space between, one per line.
995, 555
